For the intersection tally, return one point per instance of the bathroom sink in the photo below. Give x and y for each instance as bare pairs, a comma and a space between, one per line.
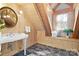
12, 37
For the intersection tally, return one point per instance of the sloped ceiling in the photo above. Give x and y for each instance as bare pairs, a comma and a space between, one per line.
52, 5
30, 14
62, 6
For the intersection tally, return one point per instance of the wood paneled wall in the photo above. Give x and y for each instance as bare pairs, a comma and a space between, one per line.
42, 13
76, 31
62, 43
19, 28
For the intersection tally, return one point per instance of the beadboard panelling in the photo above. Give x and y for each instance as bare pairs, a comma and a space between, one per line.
63, 43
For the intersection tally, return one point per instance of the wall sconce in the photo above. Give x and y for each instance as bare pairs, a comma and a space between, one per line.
27, 29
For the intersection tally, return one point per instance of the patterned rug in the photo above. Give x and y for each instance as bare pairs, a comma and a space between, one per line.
43, 50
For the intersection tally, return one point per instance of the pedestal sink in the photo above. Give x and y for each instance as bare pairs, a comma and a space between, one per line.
11, 37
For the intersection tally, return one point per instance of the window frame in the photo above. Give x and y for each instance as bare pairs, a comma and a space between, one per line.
66, 26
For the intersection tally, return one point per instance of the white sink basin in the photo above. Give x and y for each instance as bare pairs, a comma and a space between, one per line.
12, 37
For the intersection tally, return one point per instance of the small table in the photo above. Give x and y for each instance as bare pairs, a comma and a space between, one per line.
15, 37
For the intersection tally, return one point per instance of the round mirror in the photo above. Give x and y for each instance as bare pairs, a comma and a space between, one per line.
9, 16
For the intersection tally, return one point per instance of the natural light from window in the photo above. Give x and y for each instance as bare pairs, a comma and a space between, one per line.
61, 21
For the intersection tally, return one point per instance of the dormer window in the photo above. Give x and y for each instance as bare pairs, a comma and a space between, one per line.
61, 21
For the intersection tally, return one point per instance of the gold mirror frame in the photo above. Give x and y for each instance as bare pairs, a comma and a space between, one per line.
9, 16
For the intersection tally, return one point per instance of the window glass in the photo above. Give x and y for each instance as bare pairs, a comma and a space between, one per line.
61, 21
